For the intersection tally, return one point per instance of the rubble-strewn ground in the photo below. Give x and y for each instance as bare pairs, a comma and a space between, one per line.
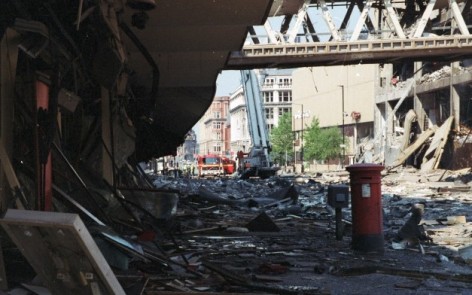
304, 256
212, 244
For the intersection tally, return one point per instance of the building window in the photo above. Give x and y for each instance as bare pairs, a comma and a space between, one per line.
269, 82
269, 113
217, 148
383, 82
285, 96
216, 125
285, 81
270, 127
283, 111
217, 115
218, 135
268, 96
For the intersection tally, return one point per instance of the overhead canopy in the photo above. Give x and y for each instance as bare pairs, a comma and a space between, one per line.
190, 42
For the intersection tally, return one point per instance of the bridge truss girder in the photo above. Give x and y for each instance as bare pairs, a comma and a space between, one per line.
376, 21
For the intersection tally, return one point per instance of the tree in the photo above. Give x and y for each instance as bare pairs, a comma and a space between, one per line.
331, 138
322, 144
281, 139
312, 148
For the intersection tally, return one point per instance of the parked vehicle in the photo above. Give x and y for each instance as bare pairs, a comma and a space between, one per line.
215, 165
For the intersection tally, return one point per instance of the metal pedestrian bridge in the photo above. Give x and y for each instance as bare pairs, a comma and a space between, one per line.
445, 48
381, 32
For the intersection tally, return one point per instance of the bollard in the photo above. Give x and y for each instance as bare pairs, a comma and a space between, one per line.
366, 206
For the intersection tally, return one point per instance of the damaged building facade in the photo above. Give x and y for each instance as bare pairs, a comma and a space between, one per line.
382, 109
421, 102
381, 114
91, 88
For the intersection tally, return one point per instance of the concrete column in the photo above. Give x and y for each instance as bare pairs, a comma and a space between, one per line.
378, 126
454, 100
389, 123
417, 104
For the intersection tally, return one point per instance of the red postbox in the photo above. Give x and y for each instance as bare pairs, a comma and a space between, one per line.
366, 206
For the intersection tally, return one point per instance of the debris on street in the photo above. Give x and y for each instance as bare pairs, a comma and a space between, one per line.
271, 236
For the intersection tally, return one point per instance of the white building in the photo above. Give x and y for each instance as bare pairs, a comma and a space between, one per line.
276, 94
240, 137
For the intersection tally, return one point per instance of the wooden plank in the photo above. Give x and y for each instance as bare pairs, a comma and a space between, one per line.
61, 251
412, 148
437, 145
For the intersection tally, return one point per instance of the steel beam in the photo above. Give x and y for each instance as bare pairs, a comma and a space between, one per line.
300, 18
394, 19
271, 34
423, 20
447, 48
456, 12
329, 21
361, 20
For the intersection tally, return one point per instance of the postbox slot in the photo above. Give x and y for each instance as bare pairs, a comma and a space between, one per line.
366, 178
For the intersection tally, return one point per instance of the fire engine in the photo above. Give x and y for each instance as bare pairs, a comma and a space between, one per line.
214, 165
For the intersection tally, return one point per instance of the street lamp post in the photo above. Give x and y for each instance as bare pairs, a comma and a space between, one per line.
301, 145
301, 137
344, 138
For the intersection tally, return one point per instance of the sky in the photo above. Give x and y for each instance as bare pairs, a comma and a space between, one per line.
227, 82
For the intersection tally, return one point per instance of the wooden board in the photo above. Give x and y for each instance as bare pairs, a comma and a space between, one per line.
436, 146
403, 155
61, 251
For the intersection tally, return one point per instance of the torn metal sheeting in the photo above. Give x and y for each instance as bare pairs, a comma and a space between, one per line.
61, 251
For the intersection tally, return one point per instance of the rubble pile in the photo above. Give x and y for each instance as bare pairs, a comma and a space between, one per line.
278, 236
442, 73
436, 75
